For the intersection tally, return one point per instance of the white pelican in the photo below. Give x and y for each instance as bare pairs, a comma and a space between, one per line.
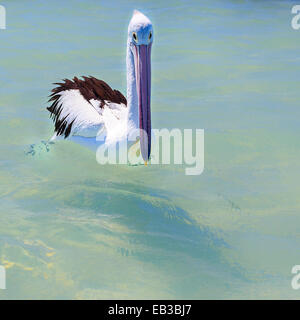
82, 108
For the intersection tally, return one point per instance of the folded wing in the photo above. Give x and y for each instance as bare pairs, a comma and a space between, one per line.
78, 105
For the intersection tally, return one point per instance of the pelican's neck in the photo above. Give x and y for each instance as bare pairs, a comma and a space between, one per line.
132, 99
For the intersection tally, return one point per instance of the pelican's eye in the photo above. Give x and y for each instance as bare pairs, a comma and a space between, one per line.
150, 36
135, 36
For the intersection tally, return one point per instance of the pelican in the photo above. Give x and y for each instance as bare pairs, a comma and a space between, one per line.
81, 108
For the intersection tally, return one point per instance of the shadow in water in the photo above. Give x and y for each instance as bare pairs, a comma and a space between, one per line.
133, 221
155, 223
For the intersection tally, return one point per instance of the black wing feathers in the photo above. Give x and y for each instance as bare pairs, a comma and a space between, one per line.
90, 88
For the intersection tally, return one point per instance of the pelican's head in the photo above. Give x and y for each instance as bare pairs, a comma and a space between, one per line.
140, 37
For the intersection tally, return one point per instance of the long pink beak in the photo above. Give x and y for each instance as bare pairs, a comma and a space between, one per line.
143, 87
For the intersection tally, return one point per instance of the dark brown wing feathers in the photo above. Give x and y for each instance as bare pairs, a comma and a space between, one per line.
90, 88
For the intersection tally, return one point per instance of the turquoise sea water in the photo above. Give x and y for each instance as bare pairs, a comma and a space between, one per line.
73, 229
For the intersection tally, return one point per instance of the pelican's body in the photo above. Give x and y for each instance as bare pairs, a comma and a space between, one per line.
83, 108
